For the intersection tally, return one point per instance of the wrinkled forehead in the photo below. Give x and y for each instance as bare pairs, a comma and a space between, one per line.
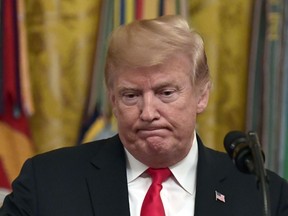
177, 63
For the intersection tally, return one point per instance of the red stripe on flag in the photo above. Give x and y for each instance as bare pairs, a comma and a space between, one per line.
139, 9
12, 113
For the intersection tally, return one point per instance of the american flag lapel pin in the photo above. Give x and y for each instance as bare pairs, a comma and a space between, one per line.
219, 197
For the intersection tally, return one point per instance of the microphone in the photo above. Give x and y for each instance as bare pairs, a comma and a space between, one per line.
243, 149
236, 144
248, 157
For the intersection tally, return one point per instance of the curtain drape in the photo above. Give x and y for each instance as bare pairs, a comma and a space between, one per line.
55, 95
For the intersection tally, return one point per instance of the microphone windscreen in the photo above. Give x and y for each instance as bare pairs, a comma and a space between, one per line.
232, 139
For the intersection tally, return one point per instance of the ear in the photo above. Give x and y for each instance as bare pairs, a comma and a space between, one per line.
203, 99
112, 100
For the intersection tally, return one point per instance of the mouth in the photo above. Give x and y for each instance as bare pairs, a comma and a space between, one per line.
152, 132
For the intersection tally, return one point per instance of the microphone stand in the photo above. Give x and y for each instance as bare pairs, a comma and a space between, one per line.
260, 171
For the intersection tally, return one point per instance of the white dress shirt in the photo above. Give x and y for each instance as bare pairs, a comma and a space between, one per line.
178, 193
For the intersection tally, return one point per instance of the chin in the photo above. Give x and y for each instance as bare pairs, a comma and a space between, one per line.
157, 145
161, 162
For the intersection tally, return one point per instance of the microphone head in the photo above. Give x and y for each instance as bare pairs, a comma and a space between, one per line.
236, 144
232, 140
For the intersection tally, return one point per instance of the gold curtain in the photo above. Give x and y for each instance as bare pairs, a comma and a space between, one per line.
61, 43
15, 148
225, 27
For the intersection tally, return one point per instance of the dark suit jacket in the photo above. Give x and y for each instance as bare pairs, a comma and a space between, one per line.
91, 180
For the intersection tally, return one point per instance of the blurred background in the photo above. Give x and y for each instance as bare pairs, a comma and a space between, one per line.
51, 72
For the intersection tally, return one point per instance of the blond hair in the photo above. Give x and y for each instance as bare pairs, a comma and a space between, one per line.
150, 42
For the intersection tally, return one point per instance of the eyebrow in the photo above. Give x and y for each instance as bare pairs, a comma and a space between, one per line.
154, 88
164, 85
123, 89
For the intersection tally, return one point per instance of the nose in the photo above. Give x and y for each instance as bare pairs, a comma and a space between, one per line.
148, 109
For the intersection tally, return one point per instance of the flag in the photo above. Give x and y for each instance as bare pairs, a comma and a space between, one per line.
219, 197
16, 145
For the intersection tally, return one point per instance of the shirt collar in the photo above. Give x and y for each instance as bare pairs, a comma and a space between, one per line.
184, 171
134, 167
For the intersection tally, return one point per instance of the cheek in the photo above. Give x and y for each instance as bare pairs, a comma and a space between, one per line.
183, 116
125, 115
185, 108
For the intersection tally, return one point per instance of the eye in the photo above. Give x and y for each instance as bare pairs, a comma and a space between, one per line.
130, 98
168, 95
129, 95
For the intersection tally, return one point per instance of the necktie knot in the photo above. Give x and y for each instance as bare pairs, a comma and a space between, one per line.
159, 175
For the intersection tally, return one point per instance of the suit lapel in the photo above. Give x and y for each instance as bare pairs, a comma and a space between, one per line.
210, 178
107, 182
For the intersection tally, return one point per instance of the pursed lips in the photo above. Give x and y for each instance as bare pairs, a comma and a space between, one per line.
152, 131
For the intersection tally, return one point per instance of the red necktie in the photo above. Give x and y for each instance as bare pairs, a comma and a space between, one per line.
152, 204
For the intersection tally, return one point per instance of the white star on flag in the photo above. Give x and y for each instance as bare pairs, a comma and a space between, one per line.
219, 196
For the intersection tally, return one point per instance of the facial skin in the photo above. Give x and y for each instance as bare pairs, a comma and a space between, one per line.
156, 110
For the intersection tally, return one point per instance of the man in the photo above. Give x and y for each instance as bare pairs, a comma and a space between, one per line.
158, 81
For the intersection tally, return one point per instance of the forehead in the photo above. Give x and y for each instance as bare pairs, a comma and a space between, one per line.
174, 68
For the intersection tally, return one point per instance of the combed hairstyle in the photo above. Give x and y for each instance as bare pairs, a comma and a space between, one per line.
145, 43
